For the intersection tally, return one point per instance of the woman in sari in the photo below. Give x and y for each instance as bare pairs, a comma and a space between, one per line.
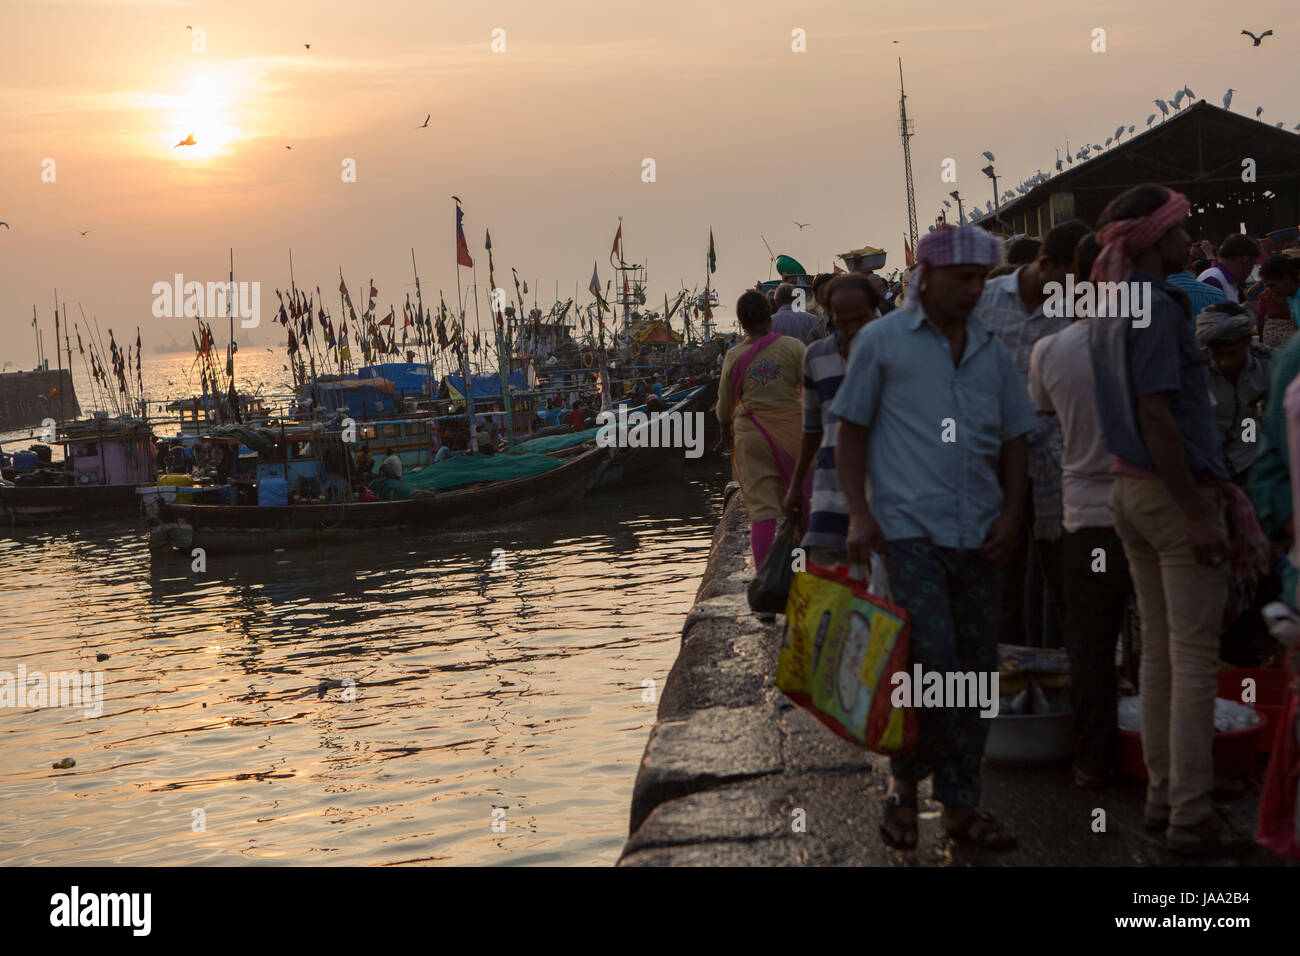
760, 406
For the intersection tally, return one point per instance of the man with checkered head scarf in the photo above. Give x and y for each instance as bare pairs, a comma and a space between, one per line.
934, 413
1173, 507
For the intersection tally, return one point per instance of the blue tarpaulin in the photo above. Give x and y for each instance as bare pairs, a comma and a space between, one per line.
405, 376
358, 399
485, 386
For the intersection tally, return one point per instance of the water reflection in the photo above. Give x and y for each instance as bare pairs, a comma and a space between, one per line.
364, 705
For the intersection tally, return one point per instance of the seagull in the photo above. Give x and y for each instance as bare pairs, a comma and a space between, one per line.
1227, 99
426, 123
1266, 33
1151, 119
1164, 107
187, 141
85, 231
191, 29
801, 225
1258, 110
988, 155
288, 147
307, 45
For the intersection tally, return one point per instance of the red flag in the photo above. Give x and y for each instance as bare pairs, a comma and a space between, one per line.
618, 239
388, 319
908, 257
462, 247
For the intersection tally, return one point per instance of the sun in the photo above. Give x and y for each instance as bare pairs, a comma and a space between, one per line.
201, 112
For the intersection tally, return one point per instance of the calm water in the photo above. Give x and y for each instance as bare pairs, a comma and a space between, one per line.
520, 688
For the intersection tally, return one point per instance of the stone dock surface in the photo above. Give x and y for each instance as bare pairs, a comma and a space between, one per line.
27, 398
734, 774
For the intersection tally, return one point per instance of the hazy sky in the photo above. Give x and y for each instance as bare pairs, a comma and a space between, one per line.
544, 142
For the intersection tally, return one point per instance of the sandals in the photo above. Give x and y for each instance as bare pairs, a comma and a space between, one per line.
909, 830
982, 830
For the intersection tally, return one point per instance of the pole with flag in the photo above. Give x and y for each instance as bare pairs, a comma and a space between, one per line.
498, 326
463, 259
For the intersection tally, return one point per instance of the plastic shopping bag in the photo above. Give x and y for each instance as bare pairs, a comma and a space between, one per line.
770, 589
843, 643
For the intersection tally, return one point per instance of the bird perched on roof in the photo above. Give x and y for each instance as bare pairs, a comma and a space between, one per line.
1151, 119
1118, 133
1058, 160
1258, 110
1280, 125
1178, 98
1188, 91
1164, 107
988, 155
1257, 39
1227, 98
1130, 130
1109, 140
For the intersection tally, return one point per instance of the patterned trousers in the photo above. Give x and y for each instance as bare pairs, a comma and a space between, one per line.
953, 598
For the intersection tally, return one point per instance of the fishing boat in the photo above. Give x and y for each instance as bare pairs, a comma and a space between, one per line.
218, 527
104, 462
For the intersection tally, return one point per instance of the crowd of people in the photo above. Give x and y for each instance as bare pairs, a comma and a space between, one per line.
1033, 478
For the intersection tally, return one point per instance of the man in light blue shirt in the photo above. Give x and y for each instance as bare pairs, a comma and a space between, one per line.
932, 407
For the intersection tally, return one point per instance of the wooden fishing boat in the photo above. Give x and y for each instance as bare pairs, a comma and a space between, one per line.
216, 527
105, 461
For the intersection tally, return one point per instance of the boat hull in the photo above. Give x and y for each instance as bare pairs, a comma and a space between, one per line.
37, 504
630, 466
225, 528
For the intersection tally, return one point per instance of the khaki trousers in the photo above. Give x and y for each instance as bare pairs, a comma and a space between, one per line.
1180, 604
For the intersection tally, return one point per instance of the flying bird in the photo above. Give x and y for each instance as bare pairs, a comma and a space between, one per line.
1164, 107
191, 29
801, 225
5, 224
187, 141
1227, 99
988, 155
1247, 33
288, 147
1151, 119
426, 123
307, 45
85, 231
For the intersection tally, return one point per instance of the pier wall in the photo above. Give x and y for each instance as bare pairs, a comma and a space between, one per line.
734, 774
27, 398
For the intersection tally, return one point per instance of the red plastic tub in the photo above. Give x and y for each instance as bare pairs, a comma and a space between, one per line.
1234, 751
1270, 691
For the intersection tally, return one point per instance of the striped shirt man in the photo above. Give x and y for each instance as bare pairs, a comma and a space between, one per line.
828, 521
1200, 294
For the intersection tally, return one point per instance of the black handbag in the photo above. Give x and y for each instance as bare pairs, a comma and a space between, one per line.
770, 589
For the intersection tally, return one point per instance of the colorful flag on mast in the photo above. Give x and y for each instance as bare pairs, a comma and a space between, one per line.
594, 288
908, 258
462, 247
